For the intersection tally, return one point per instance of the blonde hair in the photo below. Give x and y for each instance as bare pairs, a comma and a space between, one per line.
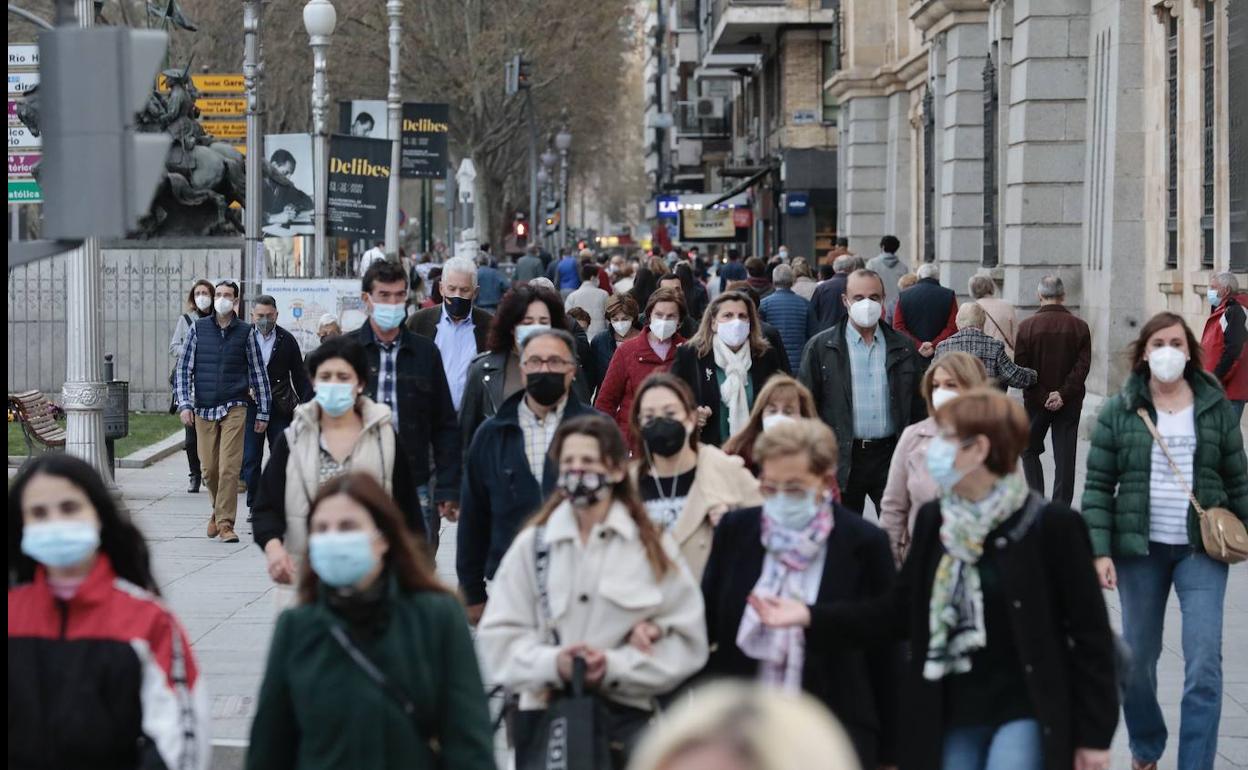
970, 315
703, 339
906, 281
766, 728
968, 370
741, 443
810, 436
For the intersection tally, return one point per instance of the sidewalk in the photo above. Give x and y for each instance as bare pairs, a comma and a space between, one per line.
222, 595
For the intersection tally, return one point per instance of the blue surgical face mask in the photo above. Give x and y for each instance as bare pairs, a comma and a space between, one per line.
791, 511
341, 559
942, 455
389, 316
524, 330
1213, 297
336, 398
60, 544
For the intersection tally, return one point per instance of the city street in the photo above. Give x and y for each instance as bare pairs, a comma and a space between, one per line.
221, 593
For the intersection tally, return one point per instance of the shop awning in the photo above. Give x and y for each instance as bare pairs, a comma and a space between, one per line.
747, 184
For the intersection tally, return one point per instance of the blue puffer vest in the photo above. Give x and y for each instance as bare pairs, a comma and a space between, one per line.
220, 362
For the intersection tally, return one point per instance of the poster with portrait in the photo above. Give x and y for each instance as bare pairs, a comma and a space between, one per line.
365, 118
287, 185
359, 186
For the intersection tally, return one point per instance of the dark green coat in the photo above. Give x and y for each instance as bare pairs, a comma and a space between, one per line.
317, 708
1116, 496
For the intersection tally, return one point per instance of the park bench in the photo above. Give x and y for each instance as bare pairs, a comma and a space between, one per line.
35, 413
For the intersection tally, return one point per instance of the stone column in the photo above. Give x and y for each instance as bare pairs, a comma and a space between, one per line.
899, 179
863, 156
959, 235
1044, 194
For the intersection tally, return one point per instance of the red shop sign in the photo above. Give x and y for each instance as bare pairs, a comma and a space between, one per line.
742, 217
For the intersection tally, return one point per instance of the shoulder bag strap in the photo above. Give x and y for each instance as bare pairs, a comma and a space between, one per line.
541, 565
374, 673
988, 315
1178, 475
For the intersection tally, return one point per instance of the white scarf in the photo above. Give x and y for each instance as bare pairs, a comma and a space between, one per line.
736, 368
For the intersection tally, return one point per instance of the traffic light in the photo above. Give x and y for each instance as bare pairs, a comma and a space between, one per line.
518, 74
522, 233
99, 173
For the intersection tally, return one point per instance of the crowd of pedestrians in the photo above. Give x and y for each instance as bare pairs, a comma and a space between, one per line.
660, 469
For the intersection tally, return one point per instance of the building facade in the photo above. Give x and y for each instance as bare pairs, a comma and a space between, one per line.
1101, 140
736, 105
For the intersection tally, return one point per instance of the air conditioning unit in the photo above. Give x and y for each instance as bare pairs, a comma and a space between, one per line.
709, 107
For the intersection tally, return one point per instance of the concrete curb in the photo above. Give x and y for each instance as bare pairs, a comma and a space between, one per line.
154, 453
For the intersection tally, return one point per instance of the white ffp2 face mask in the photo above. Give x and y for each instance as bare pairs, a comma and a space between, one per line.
662, 328
223, 305
942, 396
1167, 364
734, 332
865, 313
203, 302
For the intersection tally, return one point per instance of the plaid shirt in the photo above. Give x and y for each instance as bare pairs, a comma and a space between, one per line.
538, 434
869, 377
184, 381
387, 380
992, 353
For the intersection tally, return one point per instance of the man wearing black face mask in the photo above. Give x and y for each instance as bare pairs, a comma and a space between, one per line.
508, 472
457, 327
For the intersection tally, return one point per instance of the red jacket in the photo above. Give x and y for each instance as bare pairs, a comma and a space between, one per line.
1222, 345
105, 679
634, 361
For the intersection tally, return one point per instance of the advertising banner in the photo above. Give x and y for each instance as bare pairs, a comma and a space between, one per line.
366, 118
287, 185
707, 224
359, 184
302, 302
423, 145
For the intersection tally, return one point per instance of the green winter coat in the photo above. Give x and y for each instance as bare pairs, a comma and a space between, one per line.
318, 709
1116, 496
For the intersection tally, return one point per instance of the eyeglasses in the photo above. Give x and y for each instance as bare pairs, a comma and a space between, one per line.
553, 364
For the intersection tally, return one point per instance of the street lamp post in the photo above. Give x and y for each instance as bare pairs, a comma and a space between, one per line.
563, 142
548, 166
394, 109
253, 250
319, 19
84, 392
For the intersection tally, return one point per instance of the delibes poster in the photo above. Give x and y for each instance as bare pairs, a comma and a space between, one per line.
423, 148
359, 182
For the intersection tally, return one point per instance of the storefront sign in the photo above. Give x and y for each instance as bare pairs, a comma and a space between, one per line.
707, 224
797, 203
743, 217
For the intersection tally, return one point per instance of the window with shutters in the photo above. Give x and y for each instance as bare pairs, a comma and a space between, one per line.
1207, 123
1236, 140
929, 176
990, 164
1172, 143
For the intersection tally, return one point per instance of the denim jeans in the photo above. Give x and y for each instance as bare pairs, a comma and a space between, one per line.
253, 448
1144, 587
1015, 745
433, 522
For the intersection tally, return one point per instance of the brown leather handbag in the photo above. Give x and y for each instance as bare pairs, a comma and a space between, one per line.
1221, 531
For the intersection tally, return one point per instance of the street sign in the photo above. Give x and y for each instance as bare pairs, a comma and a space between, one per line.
226, 130
21, 82
24, 56
20, 138
24, 191
21, 164
211, 84
222, 106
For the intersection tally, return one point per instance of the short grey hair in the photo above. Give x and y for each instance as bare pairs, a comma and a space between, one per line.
461, 265
971, 315
1051, 287
563, 335
982, 286
543, 281
843, 264
928, 270
782, 276
1225, 280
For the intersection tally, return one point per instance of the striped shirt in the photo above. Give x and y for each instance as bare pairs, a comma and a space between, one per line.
869, 378
387, 382
1168, 502
538, 433
184, 381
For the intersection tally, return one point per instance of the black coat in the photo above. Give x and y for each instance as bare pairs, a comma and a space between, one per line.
1059, 624
699, 373
499, 493
825, 371
287, 373
426, 414
425, 323
826, 304
858, 686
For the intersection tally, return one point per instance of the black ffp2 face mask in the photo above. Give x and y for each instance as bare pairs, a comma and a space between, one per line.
458, 307
546, 388
664, 436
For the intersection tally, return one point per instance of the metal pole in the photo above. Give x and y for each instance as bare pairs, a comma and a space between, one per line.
528, 97
253, 248
563, 201
84, 392
320, 102
394, 109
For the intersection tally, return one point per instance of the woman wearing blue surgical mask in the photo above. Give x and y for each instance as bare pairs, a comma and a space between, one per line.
1146, 534
375, 666
772, 568
909, 483
341, 430
727, 363
101, 674
1010, 662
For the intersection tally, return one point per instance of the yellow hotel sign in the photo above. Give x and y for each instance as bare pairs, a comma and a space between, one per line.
227, 130
223, 106
211, 84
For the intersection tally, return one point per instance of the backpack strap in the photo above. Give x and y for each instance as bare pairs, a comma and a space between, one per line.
541, 566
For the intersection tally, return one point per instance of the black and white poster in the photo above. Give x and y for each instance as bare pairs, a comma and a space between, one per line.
424, 139
287, 185
365, 118
359, 183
